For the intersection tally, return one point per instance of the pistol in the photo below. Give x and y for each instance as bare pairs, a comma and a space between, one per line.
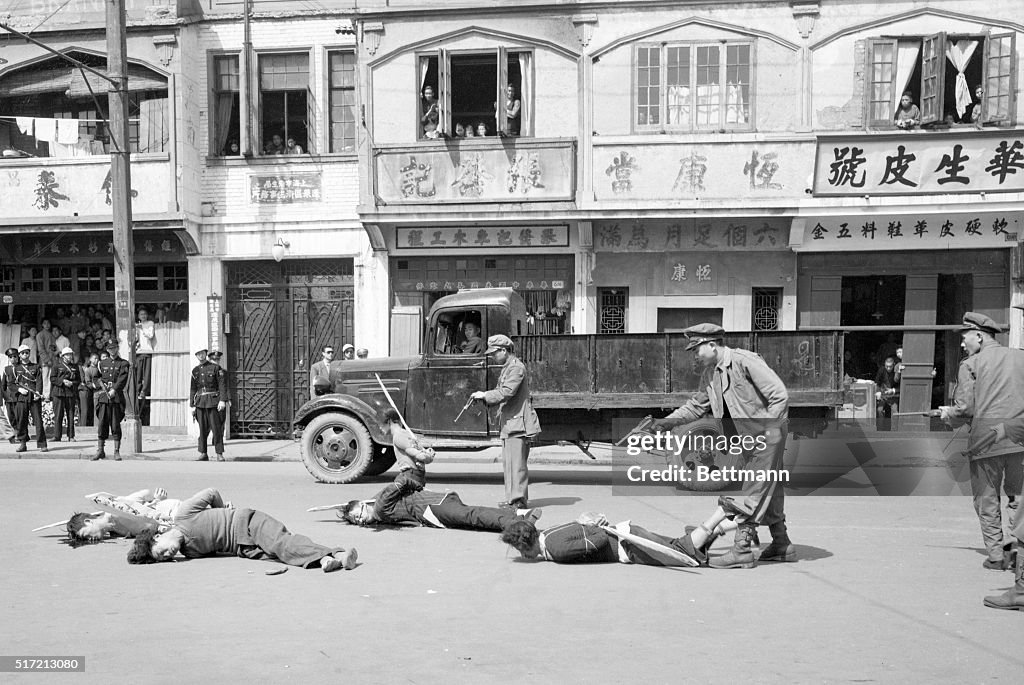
466, 406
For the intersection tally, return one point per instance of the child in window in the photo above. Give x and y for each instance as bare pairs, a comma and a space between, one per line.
908, 115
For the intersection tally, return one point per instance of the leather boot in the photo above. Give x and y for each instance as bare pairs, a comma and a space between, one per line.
23, 447
1014, 597
741, 555
100, 454
781, 548
117, 450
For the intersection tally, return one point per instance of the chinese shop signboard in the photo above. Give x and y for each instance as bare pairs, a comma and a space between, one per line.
283, 189
915, 163
922, 231
762, 233
493, 238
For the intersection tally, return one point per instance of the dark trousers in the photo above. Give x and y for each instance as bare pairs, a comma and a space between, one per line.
452, 513
143, 385
36, 410
767, 499
210, 421
267, 538
514, 452
108, 417
641, 555
87, 411
12, 413
989, 476
64, 406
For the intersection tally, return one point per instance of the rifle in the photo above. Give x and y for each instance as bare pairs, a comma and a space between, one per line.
466, 406
931, 412
641, 427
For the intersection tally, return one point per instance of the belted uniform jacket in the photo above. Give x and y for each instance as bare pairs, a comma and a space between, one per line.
209, 386
62, 371
990, 391
515, 411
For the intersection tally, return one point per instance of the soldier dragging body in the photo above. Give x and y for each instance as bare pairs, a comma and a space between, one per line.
28, 389
64, 381
108, 383
208, 397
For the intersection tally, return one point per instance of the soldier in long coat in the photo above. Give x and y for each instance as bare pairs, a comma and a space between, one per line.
28, 389
108, 385
208, 396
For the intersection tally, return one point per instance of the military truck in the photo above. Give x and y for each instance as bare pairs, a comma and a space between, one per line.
586, 388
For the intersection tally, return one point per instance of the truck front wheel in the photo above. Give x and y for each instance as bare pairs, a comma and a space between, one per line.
336, 448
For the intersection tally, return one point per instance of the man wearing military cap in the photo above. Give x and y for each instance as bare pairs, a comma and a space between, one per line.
738, 386
28, 388
989, 393
208, 397
9, 391
64, 381
519, 421
108, 384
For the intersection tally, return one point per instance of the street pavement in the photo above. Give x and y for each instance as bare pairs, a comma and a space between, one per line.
888, 589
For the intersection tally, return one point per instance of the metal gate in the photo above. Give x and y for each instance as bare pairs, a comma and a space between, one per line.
281, 317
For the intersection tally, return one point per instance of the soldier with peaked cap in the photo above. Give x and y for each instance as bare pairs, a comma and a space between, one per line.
64, 382
9, 390
108, 384
208, 396
738, 386
989, 392
518, 420
28, 390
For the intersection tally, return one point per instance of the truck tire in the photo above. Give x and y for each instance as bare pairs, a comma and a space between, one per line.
712, 459
384, 459
336, 448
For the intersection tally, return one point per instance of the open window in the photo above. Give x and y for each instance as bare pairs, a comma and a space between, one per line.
459, 331
692, 86
488, 92
286, 103
955, 79
55, 109
225, 96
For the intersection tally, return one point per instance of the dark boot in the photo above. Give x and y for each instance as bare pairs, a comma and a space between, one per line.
741, 555
117, 450
1014, 597
100, 454
203, 457
23, 447
781, 548
220, 456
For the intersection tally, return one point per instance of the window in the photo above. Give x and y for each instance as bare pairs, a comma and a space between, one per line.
343, 101
688, 87
613, 306
175, 277
958, 79
286, 102
487, 92
450, 335
226, 105
61, 279
147, 277
45, 95
766, 310
91, 278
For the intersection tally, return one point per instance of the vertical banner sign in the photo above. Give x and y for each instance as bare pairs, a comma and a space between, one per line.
214, 306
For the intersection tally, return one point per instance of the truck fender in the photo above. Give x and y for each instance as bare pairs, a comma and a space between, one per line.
369, 415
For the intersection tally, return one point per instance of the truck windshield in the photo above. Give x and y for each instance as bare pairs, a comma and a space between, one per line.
459, 332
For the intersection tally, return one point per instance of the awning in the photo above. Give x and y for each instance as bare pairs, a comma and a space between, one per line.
71, 82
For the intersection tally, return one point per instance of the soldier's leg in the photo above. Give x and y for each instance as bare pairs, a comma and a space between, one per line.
203, 416
514, 452
58, 418
217, 428
1013, 484
116, 416
37, 418
71, 403
986, 481
22, 426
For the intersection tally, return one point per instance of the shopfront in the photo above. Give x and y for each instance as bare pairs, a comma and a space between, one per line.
666, 275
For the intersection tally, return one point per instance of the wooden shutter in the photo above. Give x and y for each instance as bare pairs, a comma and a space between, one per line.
1000, 77
444, 94
500, 120
879, 81
933, 72
311, 131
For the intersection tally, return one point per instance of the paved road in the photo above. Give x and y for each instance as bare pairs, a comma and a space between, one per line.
889, 590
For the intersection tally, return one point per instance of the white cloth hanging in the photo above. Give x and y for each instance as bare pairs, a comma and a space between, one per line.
46, 130
960, 54
67, 131
26, 125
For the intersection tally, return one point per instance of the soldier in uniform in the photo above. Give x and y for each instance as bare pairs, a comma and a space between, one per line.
64, 382
208, 397
9, 390
989, 392
738, 386
215, 356
109, 383
28, 381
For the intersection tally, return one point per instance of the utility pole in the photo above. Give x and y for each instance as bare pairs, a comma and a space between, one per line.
120, 196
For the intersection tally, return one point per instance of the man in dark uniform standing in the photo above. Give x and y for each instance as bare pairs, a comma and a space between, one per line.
9, 390
989, 392
64, 382
208, 397
215, 356
28, 380
109, 384
738, 386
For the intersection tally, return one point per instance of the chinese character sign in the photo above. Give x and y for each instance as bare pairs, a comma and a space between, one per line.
731, 235
909, 232
487, 238
908, 164
285, 189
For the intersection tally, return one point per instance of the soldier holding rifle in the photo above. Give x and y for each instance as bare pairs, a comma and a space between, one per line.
989, 392
109, 383
28, 386
208, 396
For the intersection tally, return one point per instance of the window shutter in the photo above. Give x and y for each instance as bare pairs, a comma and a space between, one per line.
933, 72
311, 131
879, 81
444, 95
1000, 77
500, 120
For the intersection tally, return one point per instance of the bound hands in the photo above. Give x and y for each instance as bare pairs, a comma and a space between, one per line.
588, 518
